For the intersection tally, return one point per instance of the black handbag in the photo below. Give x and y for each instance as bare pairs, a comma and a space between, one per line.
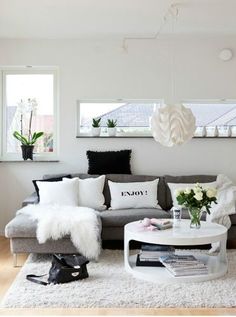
65, 268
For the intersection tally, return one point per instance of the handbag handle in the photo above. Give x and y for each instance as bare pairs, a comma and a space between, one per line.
33, 278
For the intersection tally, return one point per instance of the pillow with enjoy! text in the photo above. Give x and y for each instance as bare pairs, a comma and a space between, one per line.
134, 194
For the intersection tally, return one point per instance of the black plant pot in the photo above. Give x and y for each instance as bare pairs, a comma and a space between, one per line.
27, 152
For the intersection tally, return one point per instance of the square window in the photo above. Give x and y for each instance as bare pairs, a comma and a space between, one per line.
132, 117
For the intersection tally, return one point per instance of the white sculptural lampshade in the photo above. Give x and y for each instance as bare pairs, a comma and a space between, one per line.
173, 125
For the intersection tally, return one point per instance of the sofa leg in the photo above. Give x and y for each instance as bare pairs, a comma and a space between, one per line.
14, 259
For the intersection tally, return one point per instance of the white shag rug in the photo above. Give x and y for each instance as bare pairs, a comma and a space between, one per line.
110, 286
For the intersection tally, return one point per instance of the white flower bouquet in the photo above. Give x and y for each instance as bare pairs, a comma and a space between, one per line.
196, 199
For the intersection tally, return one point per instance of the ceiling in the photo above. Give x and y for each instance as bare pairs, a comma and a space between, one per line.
71, 19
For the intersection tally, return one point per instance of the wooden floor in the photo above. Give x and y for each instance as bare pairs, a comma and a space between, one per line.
8, 274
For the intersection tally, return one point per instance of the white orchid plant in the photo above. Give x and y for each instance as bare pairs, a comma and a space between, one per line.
197, 197
25, 108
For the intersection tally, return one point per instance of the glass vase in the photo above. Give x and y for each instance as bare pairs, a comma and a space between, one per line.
195, 217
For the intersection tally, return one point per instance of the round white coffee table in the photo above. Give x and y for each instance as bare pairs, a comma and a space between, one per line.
178, 236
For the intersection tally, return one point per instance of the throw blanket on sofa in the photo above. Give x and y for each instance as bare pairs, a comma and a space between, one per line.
55, 222
226, 198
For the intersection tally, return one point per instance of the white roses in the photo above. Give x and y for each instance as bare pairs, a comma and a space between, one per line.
197, 197
187, 190
211, 192
198, 191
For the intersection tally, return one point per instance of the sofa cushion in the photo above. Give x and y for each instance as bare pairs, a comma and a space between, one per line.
90, 192
53, 179
124, 178
116, 162
184, 179
133, 195
120, 217
61, 192
22, 226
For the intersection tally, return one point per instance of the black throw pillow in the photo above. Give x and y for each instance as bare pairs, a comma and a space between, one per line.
53, 179
109, 162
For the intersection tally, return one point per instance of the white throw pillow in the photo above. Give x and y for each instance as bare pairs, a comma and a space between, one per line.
174, 186
90, 192
60, 193
134, 195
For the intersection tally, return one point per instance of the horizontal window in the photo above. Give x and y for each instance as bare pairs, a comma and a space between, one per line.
213, 118
131, 117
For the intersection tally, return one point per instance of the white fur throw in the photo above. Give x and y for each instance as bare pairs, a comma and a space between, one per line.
55, 222
226, 198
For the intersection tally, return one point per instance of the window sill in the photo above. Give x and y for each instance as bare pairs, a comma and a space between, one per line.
29, 161
145, 137
113, 137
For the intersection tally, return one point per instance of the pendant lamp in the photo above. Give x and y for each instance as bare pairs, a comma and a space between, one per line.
173, 124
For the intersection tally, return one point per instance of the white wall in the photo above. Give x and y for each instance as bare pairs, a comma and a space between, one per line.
102, 70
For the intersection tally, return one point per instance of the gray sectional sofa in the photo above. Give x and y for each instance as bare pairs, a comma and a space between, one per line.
22, 230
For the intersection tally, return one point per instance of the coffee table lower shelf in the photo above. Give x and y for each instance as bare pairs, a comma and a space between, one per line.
216, 269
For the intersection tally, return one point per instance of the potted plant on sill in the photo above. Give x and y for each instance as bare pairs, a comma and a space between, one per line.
111, 127
27, 140
96, 128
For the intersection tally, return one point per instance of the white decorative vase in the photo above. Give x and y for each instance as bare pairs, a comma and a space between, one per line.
96, 131
211, 131
111, 131
233, 131
200, 131
224, 131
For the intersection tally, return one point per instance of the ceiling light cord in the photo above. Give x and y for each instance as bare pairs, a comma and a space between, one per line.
172, 52
172, 12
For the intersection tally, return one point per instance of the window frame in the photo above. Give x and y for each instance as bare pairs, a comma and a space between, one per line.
4, 156
129, 135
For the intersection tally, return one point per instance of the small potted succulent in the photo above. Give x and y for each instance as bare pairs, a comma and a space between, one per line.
96, 127
27, 110
111, 127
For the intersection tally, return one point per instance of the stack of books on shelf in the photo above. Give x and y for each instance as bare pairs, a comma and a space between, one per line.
183, 265
150, 254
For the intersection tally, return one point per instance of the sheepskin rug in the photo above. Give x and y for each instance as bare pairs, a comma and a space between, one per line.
109, 285
54, 222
